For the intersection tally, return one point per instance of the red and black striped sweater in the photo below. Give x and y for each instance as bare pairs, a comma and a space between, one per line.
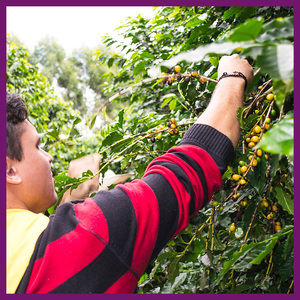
104, 244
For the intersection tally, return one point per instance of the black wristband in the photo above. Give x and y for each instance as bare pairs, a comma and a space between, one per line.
235, 74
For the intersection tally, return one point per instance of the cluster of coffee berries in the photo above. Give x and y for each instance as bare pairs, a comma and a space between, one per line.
273, 209
167, 78
173, 127
158, 136
244, 202
215, 203
237, 177
277, 226
235, 196
254, 136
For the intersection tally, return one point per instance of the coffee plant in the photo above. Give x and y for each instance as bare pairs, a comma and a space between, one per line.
242, 241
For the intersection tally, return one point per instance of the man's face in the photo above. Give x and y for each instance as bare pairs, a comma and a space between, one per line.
34, 169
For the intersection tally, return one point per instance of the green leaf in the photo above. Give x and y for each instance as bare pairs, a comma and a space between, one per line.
121, 118
235, 257
179, 280
264, 252
111, 138
284, 199
74, 131
125, 161
280, 138
257, 176
286, 268
198, 54
227, 174
214, 61
239, 289
247, 216
90, 120
143, 278
174, 269
139, 67
232, 11
289, 245
277, 61
147, 54
110, 62
240, 113
277, 29
163, 256
159, 37
166, 101
153, 271
247, 31
245, 261
173, 104
195, 21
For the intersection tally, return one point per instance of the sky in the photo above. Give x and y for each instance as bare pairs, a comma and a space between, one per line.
71, 26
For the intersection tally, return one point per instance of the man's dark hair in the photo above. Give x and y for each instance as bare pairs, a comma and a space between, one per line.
16, 113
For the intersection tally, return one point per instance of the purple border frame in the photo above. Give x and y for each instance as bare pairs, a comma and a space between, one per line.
6, 3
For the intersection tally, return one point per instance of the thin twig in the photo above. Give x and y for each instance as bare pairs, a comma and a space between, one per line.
109, 100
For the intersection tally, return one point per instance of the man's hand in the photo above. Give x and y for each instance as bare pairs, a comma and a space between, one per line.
234, 63
76, 168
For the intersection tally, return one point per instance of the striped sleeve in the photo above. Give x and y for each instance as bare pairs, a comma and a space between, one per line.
104, 244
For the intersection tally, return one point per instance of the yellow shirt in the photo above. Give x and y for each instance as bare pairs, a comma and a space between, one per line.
23, 228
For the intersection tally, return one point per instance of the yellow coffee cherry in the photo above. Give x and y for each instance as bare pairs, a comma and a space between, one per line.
274, 208
251, 145
257, 129
248, 140
255, 139
270, 97
277, 227
235, 177
177, 69
254, 163
232, 228
259, 152
243, 182
265, 203
267, 126
243, 169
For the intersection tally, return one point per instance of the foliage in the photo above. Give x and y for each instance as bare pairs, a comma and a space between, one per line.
210, 255
207, 257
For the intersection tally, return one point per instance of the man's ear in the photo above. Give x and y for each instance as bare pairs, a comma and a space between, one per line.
12, 175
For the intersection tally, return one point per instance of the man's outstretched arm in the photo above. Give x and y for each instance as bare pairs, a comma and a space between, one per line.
227, 98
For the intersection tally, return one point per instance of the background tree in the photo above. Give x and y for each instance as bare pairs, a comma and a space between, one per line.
78, 76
